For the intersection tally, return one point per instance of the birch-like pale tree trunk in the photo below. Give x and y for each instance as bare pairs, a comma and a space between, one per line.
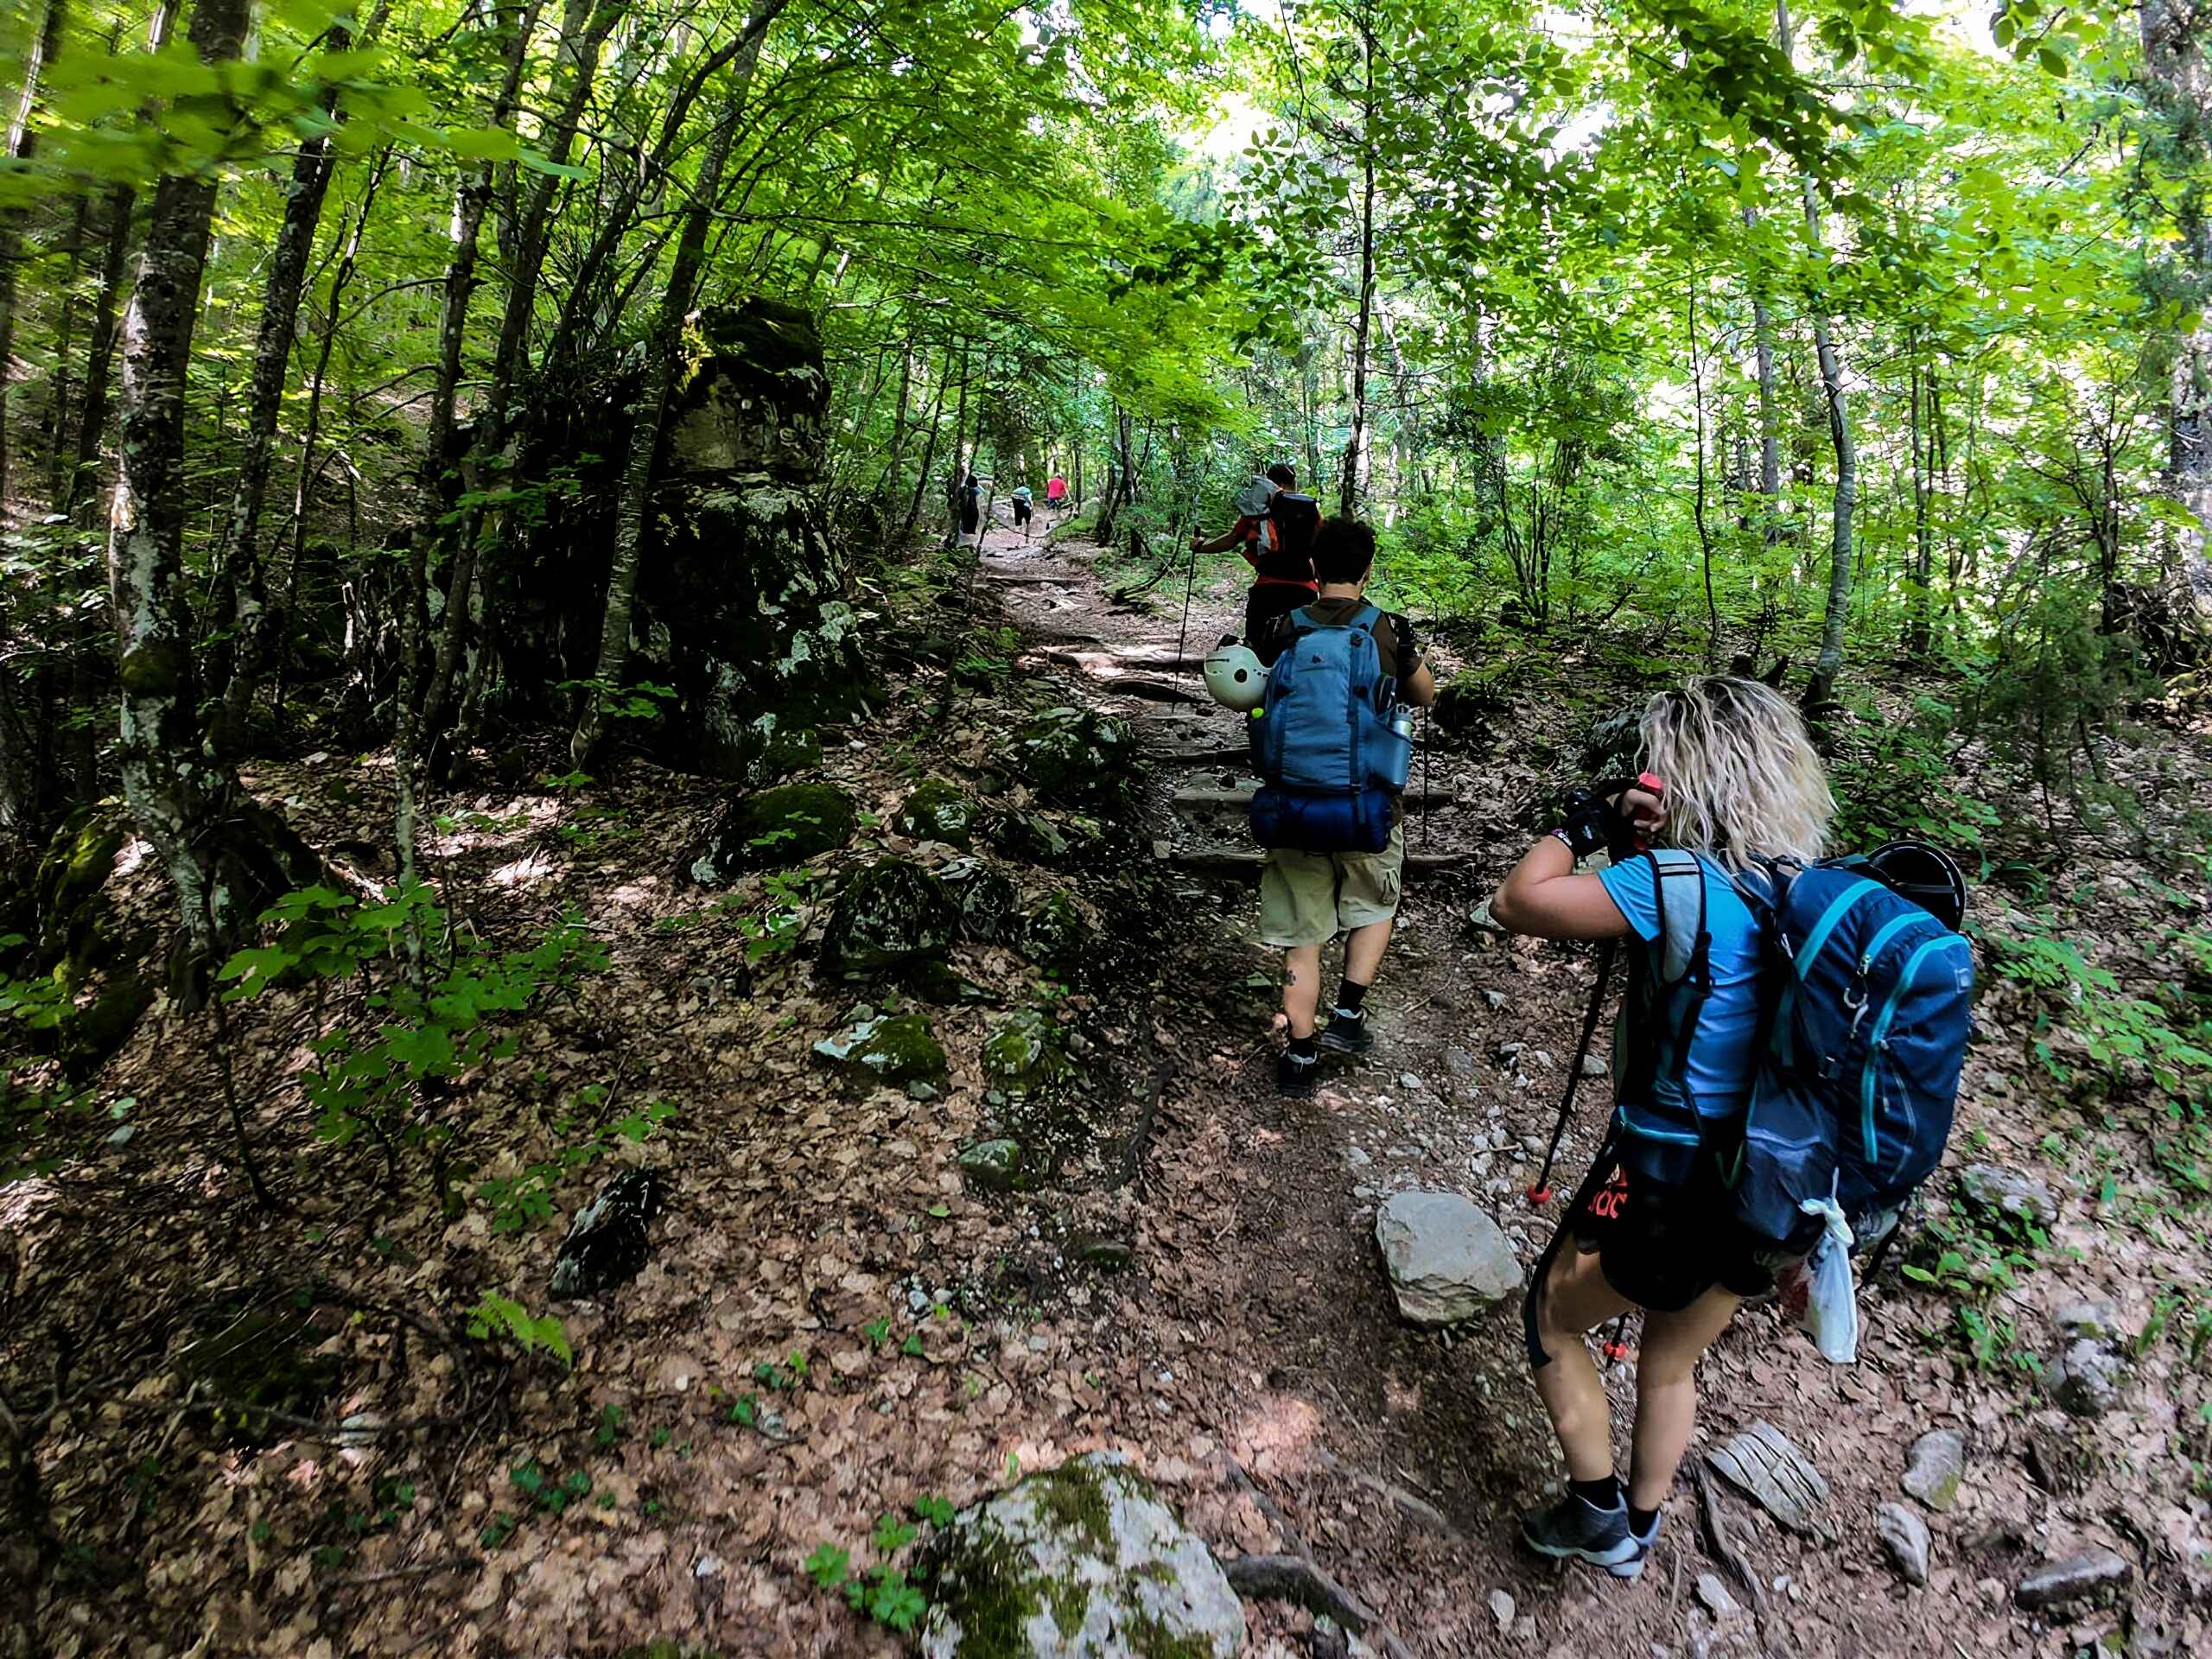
22, 139
189, 806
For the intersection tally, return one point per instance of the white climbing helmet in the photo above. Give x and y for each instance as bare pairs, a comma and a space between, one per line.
1252, 500
1236, 677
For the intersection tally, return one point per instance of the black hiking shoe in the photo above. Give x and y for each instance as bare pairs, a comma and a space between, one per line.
1575, 1529
1294, 1075
1347, 1034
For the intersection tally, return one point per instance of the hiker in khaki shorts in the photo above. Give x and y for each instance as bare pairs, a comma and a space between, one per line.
1307, 898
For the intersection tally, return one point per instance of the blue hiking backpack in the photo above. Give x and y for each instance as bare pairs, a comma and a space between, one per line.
1323, 742
1866, 1001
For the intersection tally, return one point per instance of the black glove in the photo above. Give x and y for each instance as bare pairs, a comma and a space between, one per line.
1408, 657
1595, 821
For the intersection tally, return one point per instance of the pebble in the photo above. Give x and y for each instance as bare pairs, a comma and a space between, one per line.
1501, 1608
1357, 1158
1495, 999
1904, 1534
1937, 1463
1410, 1081
1594, 1065
1714, 1594
708, 1567
1544, 1058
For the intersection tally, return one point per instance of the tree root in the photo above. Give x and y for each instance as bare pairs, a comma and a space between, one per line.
1725, 1552
1416, 1507
1296, 1577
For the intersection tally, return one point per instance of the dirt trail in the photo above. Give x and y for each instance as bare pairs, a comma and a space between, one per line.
1403, 1459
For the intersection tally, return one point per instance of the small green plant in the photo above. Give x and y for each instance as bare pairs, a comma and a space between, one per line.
496, 1317
540, 1488
526, 1200
882, 1593
610, 1426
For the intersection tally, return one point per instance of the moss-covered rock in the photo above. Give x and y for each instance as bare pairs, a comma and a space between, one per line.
1056, 938
1085, 1561
892, 914
98, 969
1024, 1051
937, 812
990, 904
898, 1051
995, 1166
1031, 837
1075, 754
774, 829
760, 751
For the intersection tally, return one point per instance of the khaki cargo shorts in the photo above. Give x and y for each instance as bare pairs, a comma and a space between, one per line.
1310, 898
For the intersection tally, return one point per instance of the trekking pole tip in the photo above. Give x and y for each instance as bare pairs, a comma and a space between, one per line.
1539, 1196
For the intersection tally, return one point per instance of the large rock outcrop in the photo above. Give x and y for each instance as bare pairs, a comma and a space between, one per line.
742, 608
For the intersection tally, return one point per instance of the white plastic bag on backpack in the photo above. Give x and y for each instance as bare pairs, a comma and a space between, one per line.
1816, 1290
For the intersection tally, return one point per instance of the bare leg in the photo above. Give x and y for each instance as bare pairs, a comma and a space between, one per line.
1576, 1298
1364, 951
1666, 1391
1301, 987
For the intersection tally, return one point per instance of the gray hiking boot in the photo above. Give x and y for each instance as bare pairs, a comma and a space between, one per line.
1575, 1529
1346, 1033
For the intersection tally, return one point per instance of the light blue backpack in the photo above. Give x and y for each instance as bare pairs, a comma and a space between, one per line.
1325, 742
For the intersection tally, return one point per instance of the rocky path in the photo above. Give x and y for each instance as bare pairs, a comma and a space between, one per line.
1306, 1414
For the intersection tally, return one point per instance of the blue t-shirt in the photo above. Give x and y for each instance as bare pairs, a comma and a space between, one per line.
1721, 1061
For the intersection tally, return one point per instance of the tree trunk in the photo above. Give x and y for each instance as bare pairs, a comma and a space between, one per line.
22, 139
666, 352
1355, 444
241, 596
1921, 414
471, 202
1769, 423
2180, 91
190, 807
1829, 663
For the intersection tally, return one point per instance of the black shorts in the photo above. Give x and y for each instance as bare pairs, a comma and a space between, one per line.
1269, 600
1021, 513
1663, 1251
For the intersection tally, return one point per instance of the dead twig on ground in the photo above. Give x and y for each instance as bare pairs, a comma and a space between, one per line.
1412, 1505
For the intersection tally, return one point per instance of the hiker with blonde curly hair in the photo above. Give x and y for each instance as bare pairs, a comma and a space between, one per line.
1731, 780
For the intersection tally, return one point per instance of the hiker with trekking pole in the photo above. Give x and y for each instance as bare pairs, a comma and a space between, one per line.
1273, 530
1785, 1071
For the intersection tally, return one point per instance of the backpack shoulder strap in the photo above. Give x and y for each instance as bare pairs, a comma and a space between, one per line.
1678, 893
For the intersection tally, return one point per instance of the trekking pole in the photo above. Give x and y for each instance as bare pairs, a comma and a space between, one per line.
1541, 1193
1190, 585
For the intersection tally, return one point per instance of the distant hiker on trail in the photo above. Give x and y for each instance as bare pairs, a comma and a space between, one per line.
1741, 783
1024, 504
1333, 745
1056, 492
971, 509
1275, 531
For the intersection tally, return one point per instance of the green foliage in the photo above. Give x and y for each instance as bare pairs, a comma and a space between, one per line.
882, 1593
495, 1317
370, 1075
525, 1200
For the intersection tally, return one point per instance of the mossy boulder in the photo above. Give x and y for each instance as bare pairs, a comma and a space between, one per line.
994, 1165
774, 829
893, 914
1082, 1561
1056, 937
936, 810
1031, 837
1074, 754
898, 1051
1024, 1051
990, 904
99, 968
760, 751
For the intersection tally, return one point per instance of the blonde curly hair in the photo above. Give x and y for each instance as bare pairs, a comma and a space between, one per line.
1743, 778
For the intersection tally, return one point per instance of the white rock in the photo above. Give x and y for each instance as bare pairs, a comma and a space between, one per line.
1714, 1594
1904, 1534
1116, 1557
1447, 1259
1501, 1608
